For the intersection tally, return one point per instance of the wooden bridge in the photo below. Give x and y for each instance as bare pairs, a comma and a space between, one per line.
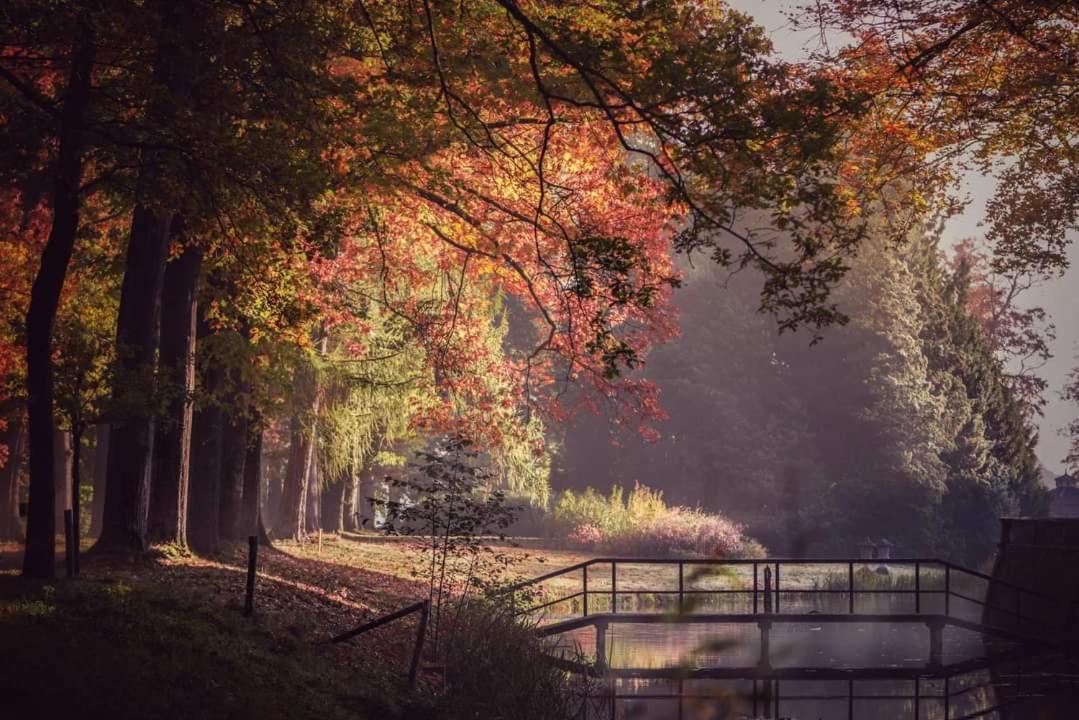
926, 591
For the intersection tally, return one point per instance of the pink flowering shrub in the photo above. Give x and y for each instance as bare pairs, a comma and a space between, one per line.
643, 524
585, 536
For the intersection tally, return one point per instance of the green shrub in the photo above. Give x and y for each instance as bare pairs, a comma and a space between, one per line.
496, 667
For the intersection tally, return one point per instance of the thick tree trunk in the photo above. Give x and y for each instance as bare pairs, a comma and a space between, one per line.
351, 496
273, 493
247, 522
40, 557
203, 500
292, 514
313, 514
127, 497
333, 505
127, 490
205, 484
292, 510
14, 439
101, 467
172, 443
233, 454
62, 465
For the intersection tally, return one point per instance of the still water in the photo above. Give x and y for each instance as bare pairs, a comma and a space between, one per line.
816, 671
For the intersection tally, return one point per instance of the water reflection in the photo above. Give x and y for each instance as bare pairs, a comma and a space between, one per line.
805, 640
871, 670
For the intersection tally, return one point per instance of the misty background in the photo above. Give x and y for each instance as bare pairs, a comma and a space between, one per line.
1058, 296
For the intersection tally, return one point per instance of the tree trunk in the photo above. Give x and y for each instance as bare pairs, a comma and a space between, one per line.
40, 557
127, 497
172, 444
205, 482
333, 505
248, 519
14, 439
101, 466
292, 514
350, 501
292, 510
233, 453
62, 465
273, 493
127, 491
313, 506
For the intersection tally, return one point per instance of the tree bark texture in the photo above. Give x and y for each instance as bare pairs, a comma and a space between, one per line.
203, 508
172, 442
248, 519
313, 506
127, 490
127, 498
233, 454
40, 557
292, 510
333, 505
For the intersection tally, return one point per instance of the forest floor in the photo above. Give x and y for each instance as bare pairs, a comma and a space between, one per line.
163, 635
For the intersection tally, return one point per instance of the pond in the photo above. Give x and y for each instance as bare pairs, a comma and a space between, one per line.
903, 643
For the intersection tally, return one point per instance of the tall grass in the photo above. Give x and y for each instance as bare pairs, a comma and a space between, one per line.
497, 667
642, 523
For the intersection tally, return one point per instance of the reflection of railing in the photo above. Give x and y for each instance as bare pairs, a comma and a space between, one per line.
961, 692
928, 582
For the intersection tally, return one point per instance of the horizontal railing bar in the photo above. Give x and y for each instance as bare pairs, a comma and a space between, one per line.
780, 696
712, 562
785, 591
379, 622
550, 603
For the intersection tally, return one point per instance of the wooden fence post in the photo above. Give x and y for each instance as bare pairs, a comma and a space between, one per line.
417, 652
252, 561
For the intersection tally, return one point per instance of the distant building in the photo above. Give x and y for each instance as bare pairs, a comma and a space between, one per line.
1064, 499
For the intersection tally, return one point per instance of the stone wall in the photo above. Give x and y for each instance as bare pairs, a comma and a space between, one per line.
1041, 554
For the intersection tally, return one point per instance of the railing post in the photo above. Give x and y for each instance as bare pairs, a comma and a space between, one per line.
917, 588
614, 587
681, 587
767, 589
850, 587
777, 587
417, 651
754, 588
584, 589
601, 646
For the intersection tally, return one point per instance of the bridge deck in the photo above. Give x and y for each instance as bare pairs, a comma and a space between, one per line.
778, 619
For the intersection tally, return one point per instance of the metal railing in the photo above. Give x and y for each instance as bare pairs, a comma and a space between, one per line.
935, 587
423, 608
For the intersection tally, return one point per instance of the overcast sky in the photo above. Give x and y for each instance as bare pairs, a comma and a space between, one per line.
1060, 296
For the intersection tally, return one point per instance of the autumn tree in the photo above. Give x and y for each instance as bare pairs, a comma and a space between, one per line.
1019, 333
971, 85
